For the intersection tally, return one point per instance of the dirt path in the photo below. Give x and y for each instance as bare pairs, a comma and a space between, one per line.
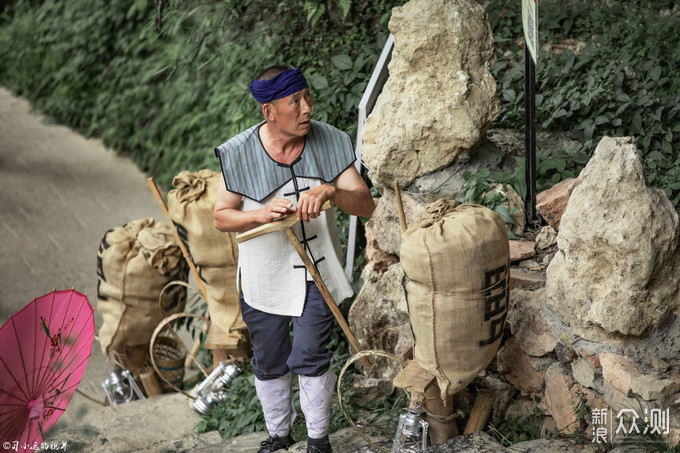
59, 194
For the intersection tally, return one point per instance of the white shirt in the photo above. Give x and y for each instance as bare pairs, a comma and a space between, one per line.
273, 277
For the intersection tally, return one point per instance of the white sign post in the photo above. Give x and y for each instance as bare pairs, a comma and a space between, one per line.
530, 22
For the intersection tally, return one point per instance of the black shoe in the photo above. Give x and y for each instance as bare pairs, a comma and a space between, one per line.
319, 445
276, 443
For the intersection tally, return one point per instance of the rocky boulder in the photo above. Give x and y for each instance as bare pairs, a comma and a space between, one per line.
528, 322
379, 306
383, 231
615, 275
551, 203
440, 97
448, 182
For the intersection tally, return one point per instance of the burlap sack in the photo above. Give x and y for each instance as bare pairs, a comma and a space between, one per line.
134, 263
214, 253
456, 265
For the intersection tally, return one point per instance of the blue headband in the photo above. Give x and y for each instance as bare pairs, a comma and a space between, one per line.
288, 82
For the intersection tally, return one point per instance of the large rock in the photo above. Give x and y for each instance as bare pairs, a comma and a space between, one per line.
551, 203
587, 374
518, 369
628, 378
619, 371
380, 305
383, 231
483, 442
528, 323
504, 394
448, 182
521, 250
563, 396
616, 273
440, 97
479, 442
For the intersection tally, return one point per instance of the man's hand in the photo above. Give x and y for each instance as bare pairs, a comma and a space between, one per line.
348, 192
228, 216
276, 209
310, 202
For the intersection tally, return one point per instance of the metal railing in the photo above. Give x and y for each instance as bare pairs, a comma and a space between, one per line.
373, 89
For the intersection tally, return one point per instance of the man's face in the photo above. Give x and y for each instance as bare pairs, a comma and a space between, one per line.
291, 115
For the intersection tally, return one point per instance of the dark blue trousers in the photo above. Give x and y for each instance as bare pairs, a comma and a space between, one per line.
275, 354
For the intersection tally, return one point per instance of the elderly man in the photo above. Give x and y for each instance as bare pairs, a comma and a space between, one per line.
289, 164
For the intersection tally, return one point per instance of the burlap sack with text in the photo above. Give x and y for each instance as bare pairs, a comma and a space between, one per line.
456, 265
214, 253
134, 263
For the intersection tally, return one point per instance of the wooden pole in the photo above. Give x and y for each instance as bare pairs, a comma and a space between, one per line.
325, 293
276, 225
442, 422
481, 411
187, 257
400, 207
530, 134
150, 383
287, 224
182, 246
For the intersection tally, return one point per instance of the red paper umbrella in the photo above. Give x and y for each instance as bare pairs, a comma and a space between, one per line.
44, 349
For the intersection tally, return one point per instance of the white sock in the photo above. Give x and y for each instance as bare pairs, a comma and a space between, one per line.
277, 404
316, 398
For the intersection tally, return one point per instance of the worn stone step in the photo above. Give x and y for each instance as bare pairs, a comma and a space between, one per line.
482, 442
167, 423
343, 441
160, 424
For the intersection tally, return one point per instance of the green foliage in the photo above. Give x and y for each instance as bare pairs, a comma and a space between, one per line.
241, 412
625, 82
481, 189
169, 86
520, 428
515, 179
583, 413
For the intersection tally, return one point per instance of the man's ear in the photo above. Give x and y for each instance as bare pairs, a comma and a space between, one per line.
267, 111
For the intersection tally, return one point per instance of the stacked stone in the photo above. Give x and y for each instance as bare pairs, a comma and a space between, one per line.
603, 330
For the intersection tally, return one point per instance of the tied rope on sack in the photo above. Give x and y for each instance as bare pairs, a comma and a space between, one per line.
213, 253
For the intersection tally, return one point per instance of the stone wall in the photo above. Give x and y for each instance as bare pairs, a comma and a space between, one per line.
593, 310
423, 137
557, 355
604, 329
